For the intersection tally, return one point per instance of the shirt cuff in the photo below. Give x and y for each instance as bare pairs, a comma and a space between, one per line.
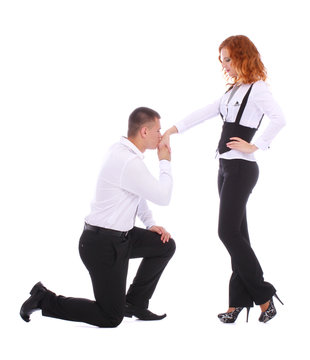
261, 144
165, 165
149, 226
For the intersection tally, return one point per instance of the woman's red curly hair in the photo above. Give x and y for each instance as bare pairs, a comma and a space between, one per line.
245, 59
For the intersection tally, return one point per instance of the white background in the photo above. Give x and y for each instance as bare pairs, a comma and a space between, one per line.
71, 72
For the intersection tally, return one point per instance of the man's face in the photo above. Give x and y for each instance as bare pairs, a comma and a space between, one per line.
153, 134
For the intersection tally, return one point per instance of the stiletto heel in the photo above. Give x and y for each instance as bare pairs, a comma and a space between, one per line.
271, 312
247, 314
231, 317
278, 298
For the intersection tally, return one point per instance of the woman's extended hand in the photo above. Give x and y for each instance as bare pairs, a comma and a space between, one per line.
241, 145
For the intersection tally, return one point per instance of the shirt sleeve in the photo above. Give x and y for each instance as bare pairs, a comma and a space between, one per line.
199, 116
266, 103
137, 179
145, 214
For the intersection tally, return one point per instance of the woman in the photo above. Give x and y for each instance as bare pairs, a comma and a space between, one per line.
242, 108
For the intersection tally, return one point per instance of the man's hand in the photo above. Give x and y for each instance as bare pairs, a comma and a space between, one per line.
163, 150
165, 140
241, 145
165, 236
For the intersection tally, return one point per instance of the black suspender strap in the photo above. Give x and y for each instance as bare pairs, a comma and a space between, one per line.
230, 88
242, 106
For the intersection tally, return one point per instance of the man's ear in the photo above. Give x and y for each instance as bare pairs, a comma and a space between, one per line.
143, 131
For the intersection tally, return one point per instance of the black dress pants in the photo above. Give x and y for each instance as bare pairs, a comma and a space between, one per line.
236, 180
106, 257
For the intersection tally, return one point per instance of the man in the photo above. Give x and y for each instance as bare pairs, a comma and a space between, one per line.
110, 238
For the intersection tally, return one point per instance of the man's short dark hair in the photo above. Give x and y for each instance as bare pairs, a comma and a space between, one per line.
139, 117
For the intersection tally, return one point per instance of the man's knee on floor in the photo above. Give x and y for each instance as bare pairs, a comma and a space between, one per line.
111, 323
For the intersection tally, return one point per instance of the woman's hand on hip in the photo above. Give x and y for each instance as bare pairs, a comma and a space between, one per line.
241, 145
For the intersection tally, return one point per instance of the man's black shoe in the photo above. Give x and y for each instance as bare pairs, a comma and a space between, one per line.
142, 314
33, 302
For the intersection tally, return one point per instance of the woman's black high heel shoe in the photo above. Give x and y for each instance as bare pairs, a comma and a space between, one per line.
271, 312
231, 317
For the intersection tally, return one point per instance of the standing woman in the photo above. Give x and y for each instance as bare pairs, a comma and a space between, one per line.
242, 108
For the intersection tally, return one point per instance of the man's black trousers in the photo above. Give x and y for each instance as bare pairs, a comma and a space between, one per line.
106, 257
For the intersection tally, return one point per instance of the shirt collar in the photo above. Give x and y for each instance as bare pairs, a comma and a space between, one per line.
131, 146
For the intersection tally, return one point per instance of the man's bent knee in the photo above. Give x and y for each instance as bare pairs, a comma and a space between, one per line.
110, 323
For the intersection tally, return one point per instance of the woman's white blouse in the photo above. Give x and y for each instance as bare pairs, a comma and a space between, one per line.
260, 102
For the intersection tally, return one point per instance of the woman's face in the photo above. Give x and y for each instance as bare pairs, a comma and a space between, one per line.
227, 63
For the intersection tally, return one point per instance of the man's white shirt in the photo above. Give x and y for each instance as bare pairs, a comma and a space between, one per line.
124, 186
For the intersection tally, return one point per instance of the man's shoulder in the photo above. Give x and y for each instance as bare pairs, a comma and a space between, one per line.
117, 160
122, 151
120, 155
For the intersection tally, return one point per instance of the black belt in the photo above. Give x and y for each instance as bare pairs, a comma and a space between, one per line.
104, 230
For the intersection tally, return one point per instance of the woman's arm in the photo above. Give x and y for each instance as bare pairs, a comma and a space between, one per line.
172, 130
264, 100
193, 119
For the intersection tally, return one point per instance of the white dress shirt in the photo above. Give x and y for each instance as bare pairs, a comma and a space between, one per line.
260, 102
123, 187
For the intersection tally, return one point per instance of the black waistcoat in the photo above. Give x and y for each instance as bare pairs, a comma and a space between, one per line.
234, 129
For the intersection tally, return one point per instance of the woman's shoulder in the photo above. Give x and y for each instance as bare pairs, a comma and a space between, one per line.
260, 85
